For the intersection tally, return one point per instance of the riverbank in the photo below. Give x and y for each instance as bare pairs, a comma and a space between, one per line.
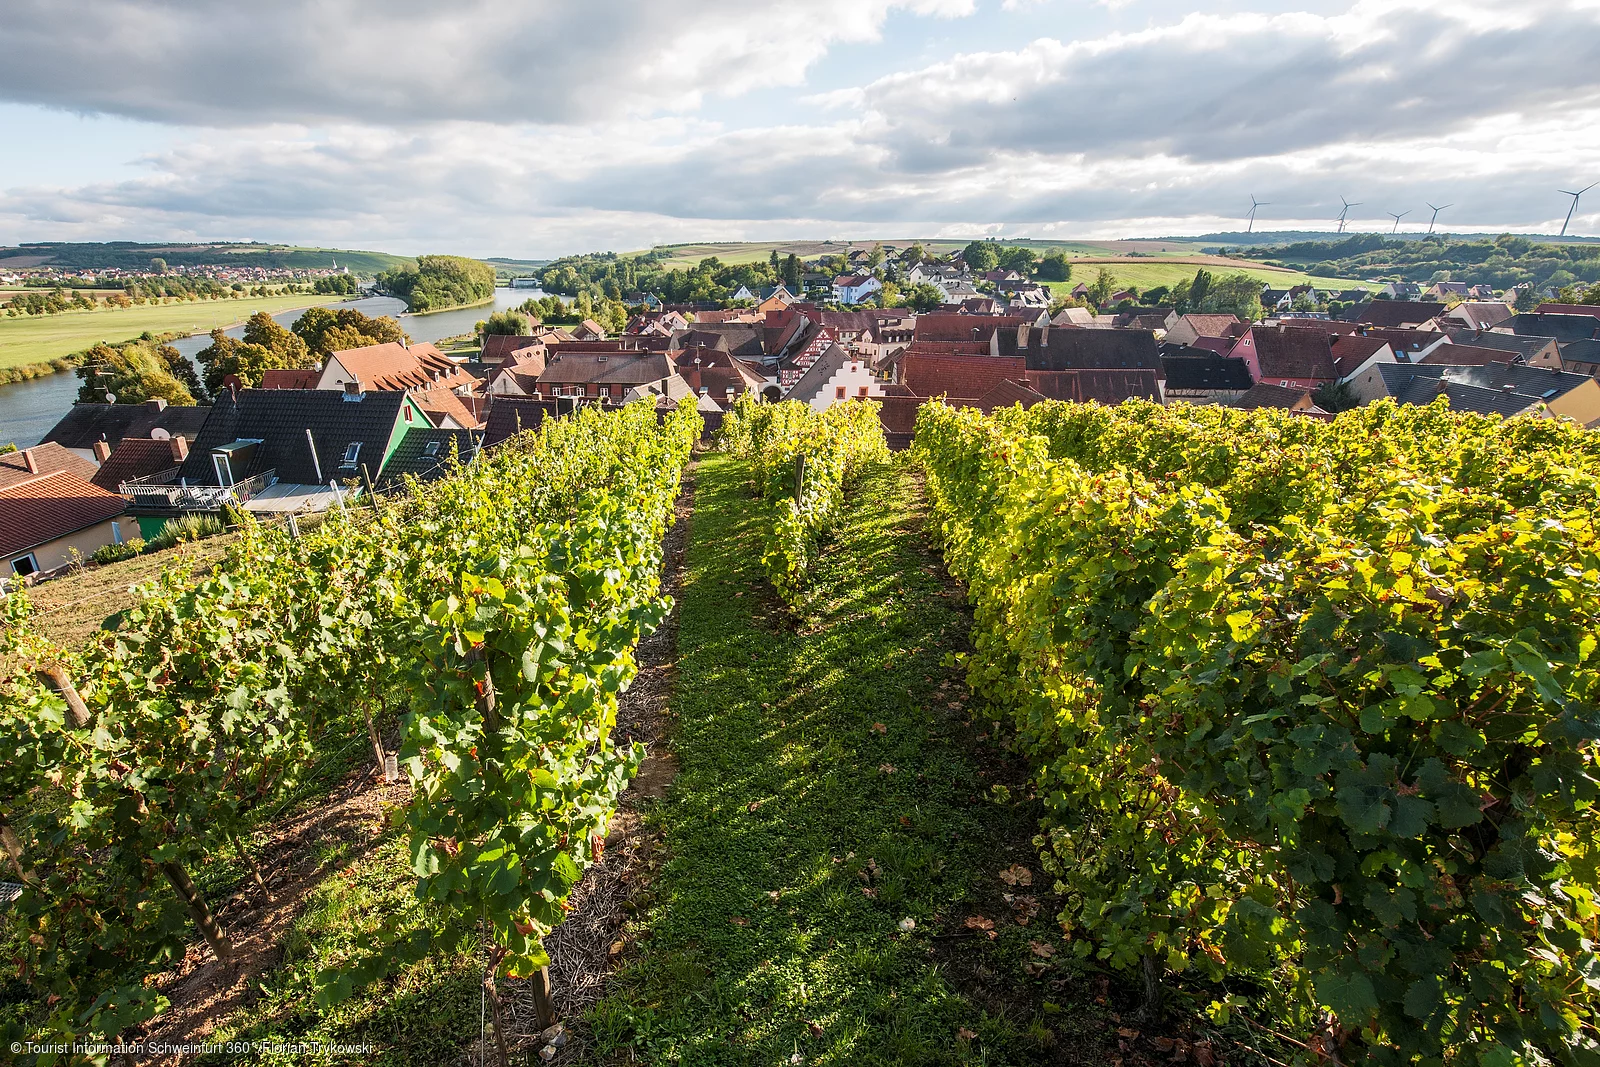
453, 307
33, 342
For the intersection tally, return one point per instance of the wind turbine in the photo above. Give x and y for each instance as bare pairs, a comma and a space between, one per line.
1574, 207
1347, 206
1254, 203
1397, 218
1436, 211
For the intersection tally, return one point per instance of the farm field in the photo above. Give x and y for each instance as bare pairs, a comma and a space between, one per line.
1149, 273
37, 338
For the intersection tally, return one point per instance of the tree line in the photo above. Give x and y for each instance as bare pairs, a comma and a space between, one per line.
439, 282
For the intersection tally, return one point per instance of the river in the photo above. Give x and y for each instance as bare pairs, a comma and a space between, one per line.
29, 409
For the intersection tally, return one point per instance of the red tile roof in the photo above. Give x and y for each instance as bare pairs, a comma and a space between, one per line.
297, 378
47, 457
498, 347
1102, 386
393, 366
964, 377
1286, 353
50, 506
137, 457
947, 327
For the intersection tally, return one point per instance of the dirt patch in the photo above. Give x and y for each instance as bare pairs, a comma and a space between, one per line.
203, 991
585, 947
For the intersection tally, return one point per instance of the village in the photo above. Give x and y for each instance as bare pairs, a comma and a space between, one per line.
301, 441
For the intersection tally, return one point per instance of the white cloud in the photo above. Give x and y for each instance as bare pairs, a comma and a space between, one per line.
1166, 129
410, 61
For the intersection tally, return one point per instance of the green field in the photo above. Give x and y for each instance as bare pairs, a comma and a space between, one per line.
37, 338
1143, 263
1147, 274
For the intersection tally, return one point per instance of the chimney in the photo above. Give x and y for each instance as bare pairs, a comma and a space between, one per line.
102, 451
1022, 335
180, 449
30, 461
156, 404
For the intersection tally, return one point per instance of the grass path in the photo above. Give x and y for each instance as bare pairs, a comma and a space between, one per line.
830, 790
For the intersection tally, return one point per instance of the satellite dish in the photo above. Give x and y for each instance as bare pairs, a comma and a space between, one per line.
111, 398
158, 434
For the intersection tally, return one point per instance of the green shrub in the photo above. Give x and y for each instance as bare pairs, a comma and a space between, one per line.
114, 553
185, 528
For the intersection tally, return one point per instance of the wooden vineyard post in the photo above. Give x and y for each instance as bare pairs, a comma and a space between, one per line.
197, 907
799, 479
377, 743
544, 1008
372, 494
56, 675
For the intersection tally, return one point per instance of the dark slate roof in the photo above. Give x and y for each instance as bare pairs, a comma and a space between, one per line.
1201, 370
1542, 383
1561, 327
510, 415
1069, 349
1282, 352
1581, 352
618, 368
87, 423
1526, 347
425, 453
1399, 312
1263, 395
280, 419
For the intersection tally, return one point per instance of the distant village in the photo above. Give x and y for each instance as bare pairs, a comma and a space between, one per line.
303, 441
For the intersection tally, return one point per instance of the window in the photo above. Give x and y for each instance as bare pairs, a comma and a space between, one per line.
25, 564
408, 412
431, 448
352, 450
862, 392
1284, 383
838, 393
116, 532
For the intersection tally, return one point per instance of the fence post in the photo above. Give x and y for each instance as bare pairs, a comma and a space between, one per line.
799, 478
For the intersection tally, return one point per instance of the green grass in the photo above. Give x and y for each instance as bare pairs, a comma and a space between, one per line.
36, 338
1147, 274
791, 804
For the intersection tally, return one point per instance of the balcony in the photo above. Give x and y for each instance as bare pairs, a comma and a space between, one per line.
149, 493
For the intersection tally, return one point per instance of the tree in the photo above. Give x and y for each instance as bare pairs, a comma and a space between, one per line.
1102, 287
325, 331
1018, 259
915, 254
875, 258
980, 255
925, 297
134, 373
1527, 299
584, 306
158, 265
1232, 294
439, 282
889, 296
265, 346
505, 323
1335, 396
1054, 267
791, 273
1199, 287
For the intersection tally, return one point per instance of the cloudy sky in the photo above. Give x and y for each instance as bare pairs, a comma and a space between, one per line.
539, 127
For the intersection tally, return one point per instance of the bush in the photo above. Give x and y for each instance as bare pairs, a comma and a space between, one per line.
115, 553
185, 528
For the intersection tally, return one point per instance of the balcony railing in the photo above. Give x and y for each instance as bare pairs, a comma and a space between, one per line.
144, 493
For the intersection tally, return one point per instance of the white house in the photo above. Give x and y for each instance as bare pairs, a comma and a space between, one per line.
854, 288
836, 376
